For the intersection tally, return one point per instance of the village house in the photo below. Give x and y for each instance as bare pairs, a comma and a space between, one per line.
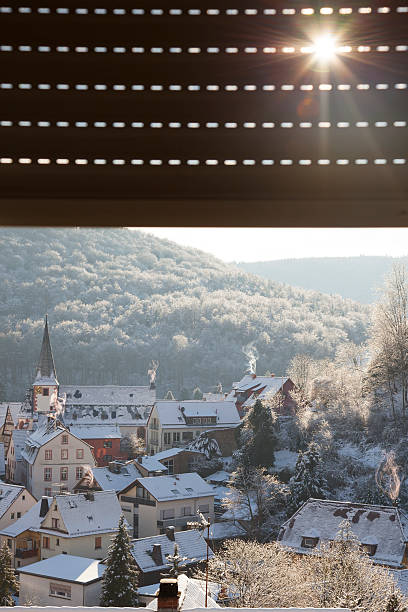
175, 460
15, 471
54, 459
163, 501
150, 554
21, 537
116, 476
381, 530
15, 501
6, 428
104, 440
252, 387
64, 578
174, 423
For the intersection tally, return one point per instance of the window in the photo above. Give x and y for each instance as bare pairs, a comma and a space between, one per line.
55, 523
167, 514
98, 542
204, 507
64, 453
46, 542
64, 439
12, 516
196, 421
47, 473
187, 435
18, 515
80, 453
186, 511
309, 542
57, 542
79, 472
370, 549
176, 436
23, 497
48, 455
108, 458
60, 590
64, 473
197, 433
107, 444
47, 491
167, 438
46, 392
170, 466
9, 543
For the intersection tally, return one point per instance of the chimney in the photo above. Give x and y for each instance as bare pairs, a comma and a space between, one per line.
43, 507
89, 495
168, 597
253, 375
156, 554
170, 533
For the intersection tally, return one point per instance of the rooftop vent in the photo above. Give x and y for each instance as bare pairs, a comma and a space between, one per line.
156, 554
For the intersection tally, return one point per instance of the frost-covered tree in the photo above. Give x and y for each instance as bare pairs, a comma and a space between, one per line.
133, 445
120, 580
8, 582
308, 480
197, 394
169, 395
343, 576
206, 445
396, 602
258, 436
176, 561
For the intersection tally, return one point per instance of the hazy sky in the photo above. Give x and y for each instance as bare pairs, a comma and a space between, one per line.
254, 244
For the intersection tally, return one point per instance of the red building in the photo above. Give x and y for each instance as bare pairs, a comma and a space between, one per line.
253, 387
104, 439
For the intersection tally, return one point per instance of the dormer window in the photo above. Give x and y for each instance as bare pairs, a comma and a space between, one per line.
308, 542
46, 391
370, 549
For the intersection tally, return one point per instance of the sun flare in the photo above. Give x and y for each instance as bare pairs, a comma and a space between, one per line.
325, 47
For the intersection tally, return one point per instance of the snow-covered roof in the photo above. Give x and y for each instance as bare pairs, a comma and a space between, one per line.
8, 495
15, 408
47, 431
2, 459
213, 397
96, 432
401, 578
202, 609
226, 529
30, 520
172, 413
67, 567
192, 595
180, 486
380, 525
218, 477
171, 452
19, 439
109, 480
269, 385
191, 545
85, 514
151, 463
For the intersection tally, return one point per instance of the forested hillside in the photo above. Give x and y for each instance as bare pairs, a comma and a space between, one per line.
117, 299
357, 278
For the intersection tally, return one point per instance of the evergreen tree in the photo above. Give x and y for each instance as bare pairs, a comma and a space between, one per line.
184, 394
8, 582
258, 438
176, 561
197, 394
120, 580
308, 480
169, 395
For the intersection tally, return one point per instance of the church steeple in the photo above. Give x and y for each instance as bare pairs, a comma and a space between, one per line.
46, 372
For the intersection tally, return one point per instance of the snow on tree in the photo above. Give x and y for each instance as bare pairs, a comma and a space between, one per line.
169, 395
308, 480
197, 394
8, 582
343, 576
120, 580
176, 561
258, 437
396, 603
133, 445
206, 445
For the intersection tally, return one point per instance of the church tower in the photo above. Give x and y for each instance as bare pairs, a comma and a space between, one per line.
45, 385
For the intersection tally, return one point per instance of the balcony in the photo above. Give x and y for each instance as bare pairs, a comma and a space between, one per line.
138, 501
180, 521
22, 553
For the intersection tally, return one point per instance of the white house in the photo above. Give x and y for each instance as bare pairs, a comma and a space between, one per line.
15, 471
174, 423
54, 459
162, 501
64, 578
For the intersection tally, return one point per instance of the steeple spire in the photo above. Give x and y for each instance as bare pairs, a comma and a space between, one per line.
46, 368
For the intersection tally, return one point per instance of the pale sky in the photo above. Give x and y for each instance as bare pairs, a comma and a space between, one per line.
263, 244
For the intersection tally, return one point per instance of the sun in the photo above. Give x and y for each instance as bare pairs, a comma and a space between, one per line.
325, 47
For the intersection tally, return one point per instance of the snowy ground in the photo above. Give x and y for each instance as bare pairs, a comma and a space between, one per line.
370, 457
285, 459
